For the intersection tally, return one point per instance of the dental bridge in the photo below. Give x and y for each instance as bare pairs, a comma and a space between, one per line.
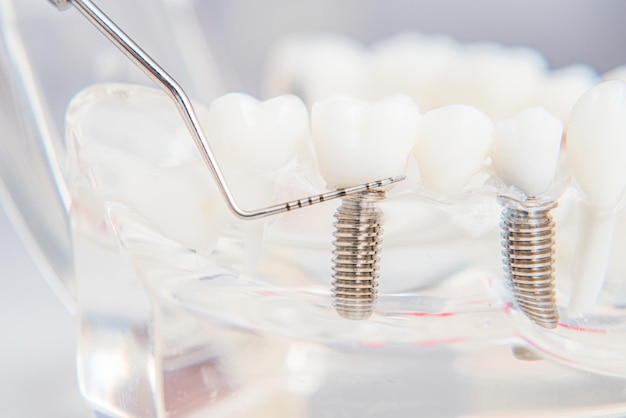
186, 110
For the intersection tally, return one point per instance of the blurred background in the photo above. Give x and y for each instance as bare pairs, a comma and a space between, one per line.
37, 371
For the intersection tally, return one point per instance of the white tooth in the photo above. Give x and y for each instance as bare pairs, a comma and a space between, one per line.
451, 146
261, 136
596, 142
525, 150
358, 142
500, 81
316, 67
412, 64
618, 73
563, 87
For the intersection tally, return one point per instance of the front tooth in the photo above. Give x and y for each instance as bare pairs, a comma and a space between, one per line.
316, 67
262, 136
596, 141
563, 87
500, 81
358, 142
526, 149
412, 64
451, 146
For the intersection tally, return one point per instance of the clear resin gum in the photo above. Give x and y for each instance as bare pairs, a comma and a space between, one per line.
184, 312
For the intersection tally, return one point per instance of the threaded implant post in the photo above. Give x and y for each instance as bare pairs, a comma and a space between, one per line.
528, 249
358, 240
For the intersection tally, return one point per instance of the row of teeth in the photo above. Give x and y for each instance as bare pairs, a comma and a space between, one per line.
433, 71
358, 142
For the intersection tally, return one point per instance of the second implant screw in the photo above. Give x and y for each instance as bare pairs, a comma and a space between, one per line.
528, 257
358, 239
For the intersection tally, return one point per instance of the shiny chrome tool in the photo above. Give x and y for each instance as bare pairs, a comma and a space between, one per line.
187, 112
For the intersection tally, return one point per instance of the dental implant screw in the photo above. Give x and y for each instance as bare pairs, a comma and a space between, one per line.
528, 249
358, 240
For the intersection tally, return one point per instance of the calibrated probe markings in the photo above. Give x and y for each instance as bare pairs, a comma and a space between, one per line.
312, 200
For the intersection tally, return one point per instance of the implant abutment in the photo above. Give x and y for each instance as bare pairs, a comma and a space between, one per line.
357, 247
528, 249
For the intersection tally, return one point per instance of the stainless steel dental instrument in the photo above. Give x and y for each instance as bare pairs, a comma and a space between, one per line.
183, 103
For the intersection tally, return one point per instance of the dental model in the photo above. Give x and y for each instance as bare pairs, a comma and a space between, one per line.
525, 155
596, 141
361, 141
452, 144
256, 141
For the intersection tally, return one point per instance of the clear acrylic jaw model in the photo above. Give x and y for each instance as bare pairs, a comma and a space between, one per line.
187, 311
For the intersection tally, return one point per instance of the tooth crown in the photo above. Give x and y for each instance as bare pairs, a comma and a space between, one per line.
358, 142
596, 140
451, 146
525, 150
261, 136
